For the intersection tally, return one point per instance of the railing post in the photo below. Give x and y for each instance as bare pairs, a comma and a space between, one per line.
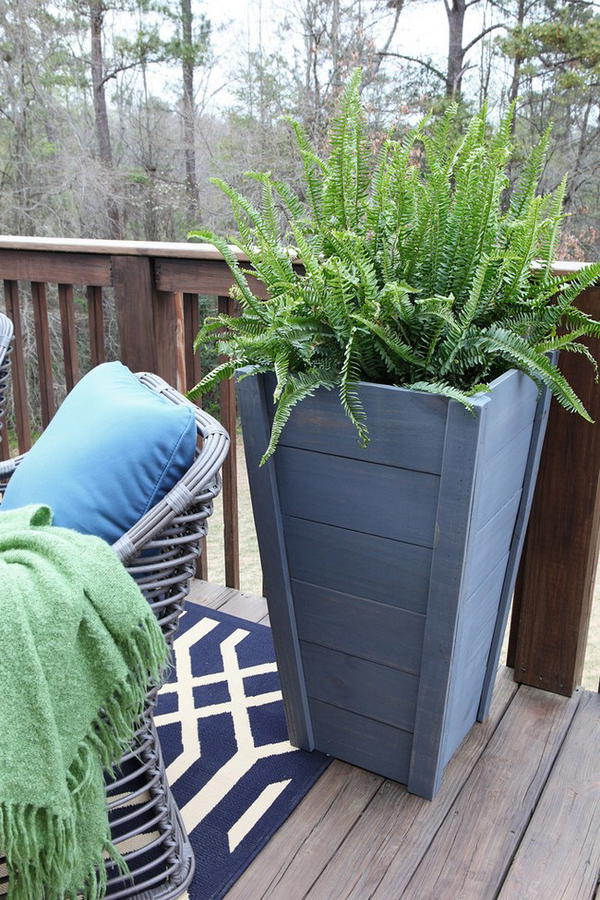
133, 285
151, 325
96, 324
191, 324
69, 335
169, 337
554, 592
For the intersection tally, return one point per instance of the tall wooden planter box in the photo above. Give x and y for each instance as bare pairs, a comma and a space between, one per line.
389, 571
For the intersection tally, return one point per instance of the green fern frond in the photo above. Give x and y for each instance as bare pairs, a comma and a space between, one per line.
220, 373
407, 269
349, 377
537, 365
444, 390
298, 388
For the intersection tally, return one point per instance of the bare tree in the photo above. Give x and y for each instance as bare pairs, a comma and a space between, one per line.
338, 37
97, 11
457, 61
189, 108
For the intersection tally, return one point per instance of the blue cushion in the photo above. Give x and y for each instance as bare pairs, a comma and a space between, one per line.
112, 451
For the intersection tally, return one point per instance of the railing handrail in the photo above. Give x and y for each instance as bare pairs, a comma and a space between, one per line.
189, 250
181, 249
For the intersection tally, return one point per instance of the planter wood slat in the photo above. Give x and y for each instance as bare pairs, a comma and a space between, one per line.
389, 570
512, 391
405, 414
360, 685
461, 446
381, 633
504, 478
518, 542
309, 489
363, 565
266, 507
489, 545
373, 745
473, 640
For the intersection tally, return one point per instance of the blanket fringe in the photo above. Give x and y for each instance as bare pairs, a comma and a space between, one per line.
41, 846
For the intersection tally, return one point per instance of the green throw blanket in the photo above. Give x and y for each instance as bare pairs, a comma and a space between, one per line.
78, 647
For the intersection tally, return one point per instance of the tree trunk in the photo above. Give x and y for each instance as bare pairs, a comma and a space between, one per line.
105, 155
582, 144
21, 150
189, 111
455, 10
515, 83
513, 93
336, 23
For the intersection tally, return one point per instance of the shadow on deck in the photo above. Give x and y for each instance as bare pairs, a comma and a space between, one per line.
518, 814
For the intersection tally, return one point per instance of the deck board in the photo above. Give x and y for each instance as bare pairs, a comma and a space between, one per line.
546, 864
473, 848
518, 814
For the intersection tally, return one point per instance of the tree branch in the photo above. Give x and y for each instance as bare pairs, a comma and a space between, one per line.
393, 27
420, 62
118, 69
386, 46
481, 35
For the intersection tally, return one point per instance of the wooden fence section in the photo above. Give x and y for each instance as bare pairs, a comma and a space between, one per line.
156, 287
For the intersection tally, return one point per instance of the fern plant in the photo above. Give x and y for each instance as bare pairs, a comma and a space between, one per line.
409, 268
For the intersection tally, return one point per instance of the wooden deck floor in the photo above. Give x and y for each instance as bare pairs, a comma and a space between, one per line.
517, 817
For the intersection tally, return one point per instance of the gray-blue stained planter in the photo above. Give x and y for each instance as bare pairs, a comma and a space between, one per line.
388, 570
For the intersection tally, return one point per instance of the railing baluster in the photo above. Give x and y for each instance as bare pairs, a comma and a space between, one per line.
96, 323
39, 300
191, 323
69, 335
4, 442
230, 493
11, 295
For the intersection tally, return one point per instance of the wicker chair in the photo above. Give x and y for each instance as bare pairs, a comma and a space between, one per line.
160, 552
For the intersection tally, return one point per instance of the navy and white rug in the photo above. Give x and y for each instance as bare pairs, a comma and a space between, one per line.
234, 774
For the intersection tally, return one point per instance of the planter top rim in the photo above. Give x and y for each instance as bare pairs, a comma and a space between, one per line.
478, 400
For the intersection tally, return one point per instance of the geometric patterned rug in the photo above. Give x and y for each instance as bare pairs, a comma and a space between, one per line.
234, 774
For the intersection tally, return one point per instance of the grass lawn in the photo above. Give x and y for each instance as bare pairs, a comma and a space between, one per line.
251, 576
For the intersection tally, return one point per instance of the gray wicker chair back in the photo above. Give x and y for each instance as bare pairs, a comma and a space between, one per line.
160, 552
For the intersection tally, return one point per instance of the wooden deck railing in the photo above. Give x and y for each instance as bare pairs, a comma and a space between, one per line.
155, 288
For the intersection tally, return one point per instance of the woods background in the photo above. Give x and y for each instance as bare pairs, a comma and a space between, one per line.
114, 115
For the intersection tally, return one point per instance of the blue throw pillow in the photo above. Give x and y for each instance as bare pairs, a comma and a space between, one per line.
112, 451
